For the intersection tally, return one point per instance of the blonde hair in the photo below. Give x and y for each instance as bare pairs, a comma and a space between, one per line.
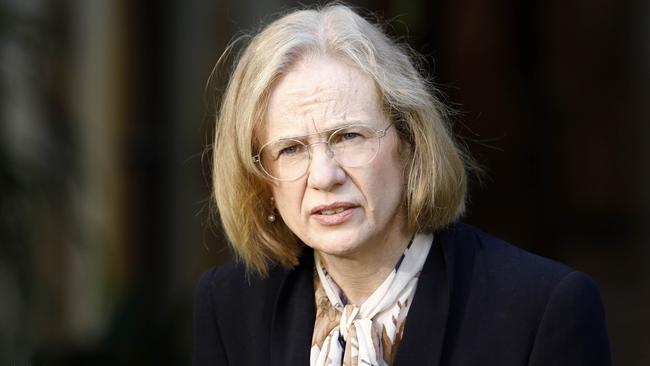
436, 181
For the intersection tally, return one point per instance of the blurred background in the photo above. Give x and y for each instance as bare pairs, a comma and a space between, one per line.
105, 218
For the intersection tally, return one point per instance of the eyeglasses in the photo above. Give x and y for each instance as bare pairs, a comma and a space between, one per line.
351, 146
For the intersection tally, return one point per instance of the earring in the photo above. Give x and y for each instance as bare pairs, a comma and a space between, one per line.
271, 217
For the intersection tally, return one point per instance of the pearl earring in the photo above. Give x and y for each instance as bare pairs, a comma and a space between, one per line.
271, 217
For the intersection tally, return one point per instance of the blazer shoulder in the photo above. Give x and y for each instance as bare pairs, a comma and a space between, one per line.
545, 312
501, 257
233, 282
513, 276
572, 329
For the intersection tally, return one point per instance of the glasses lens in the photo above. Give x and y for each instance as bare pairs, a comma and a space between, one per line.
354, 146
285, 159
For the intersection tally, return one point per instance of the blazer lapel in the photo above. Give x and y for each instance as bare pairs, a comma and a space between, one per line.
294, 314
425, 324
426, 336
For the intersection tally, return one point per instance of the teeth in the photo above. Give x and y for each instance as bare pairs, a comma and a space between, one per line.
332, 212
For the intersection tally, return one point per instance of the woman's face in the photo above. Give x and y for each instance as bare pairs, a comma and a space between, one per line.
334, 209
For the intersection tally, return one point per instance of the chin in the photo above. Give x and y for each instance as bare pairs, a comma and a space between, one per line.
337, 245
336, 251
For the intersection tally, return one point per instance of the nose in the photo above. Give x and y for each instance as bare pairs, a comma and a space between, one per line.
325, 173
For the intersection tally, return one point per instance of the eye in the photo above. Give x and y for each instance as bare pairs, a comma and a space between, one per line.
293, 149
350, 135
289, 150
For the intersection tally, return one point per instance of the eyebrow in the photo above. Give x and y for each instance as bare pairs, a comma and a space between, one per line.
329, 130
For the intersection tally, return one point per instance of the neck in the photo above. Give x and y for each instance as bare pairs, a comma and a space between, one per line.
358, 275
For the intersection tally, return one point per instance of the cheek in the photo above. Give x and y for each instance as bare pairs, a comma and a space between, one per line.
288, 198
402, 157
385, 185
395, 161
391, 178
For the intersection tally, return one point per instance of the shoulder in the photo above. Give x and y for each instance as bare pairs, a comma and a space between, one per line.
533, 303
233, 312
231, 286
495, 259
488, 273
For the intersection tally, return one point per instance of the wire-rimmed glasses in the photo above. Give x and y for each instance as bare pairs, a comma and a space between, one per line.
351, 146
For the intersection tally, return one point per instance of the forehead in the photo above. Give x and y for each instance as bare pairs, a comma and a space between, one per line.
320, 93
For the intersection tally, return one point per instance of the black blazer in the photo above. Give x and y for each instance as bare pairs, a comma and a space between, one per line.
479, 301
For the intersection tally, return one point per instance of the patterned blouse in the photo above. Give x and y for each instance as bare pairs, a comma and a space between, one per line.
370, 334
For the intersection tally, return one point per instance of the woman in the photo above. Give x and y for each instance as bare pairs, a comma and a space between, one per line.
340, 189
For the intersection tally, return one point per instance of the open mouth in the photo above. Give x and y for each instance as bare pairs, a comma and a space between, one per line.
332, 212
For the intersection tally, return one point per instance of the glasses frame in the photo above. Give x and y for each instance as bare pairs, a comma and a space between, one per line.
379, 134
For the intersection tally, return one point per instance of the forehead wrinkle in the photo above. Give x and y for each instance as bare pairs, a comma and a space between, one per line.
326, 113
311, 103
306, 102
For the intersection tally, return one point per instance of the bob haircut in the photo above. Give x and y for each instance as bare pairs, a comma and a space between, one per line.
435, 178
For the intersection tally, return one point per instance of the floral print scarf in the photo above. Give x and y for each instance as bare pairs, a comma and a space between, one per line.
349, 335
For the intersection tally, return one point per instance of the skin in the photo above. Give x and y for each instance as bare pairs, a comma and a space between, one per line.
321, 93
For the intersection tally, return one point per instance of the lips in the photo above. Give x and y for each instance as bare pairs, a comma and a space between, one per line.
330, 209
333, 214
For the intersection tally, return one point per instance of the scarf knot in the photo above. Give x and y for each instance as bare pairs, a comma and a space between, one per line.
345, 334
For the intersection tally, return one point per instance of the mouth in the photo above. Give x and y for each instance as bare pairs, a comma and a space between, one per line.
332, 209
333, 214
